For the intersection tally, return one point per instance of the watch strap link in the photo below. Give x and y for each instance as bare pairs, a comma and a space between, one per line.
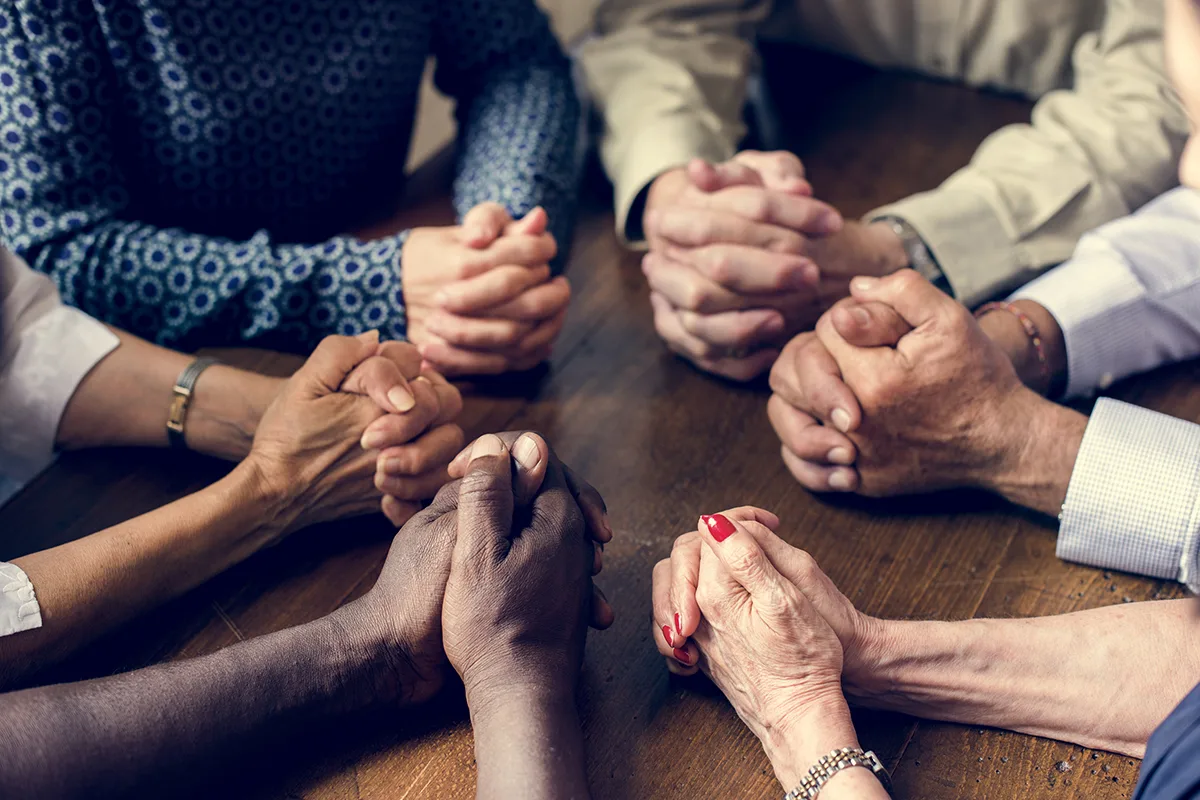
920, 257
181, 399
833, 763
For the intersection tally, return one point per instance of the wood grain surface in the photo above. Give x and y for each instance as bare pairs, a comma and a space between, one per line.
664, 444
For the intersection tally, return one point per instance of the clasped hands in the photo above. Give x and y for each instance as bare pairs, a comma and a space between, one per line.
899, 390
362, 425
479, 296
741, 257
494, 579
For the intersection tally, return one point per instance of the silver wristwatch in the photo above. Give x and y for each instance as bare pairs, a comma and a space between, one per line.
830, 765
919, 256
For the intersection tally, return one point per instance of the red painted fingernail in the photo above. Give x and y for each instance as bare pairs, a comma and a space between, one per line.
678, 627
667, 635
719, 527
682, 657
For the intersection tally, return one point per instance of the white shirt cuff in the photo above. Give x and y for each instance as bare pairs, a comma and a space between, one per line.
1132, 504
19, 609
55, 354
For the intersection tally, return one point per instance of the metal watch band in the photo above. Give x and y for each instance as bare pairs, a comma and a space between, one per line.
829, 765
920, 258
182, 399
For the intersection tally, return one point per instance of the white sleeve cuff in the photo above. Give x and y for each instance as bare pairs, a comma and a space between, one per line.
19, 609
1132, 501
54, 355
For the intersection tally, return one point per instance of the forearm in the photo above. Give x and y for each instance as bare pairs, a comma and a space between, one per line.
124, 401
106, 737
91, 585
1041, 446
821, 728
529, 743
1101, 678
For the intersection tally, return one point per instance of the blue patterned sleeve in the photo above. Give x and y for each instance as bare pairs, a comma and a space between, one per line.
519, 118
65, 205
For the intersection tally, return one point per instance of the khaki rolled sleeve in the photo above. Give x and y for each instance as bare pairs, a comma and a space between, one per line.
669, 79
1091, 154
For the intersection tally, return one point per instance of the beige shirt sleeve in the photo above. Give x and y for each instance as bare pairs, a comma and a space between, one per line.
669, 79
1091, 154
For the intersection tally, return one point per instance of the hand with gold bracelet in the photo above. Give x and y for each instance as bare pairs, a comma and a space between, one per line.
359, 419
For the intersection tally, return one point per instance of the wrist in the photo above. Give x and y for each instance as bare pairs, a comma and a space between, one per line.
890, 255
227, 405
252, 485
1006, 330
1043, 440
822, 724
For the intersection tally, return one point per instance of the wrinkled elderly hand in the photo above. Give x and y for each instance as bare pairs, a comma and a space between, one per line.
768, 627
307, 445
728, 266
479, 296
942, 408
520, 595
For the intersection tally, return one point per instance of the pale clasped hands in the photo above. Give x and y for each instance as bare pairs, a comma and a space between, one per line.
479, 296
770, 629
741, 257
899, 390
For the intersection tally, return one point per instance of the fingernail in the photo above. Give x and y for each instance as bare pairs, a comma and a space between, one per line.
682, 657
526, 452
441, 298
667, 635
801, 277
772, 327
864, 283
372, 440
840, 455
489, 445
840, 481
370, 337
401, 398
830, 222
718, 526
811, 273
841, 419
678, 627
861, 316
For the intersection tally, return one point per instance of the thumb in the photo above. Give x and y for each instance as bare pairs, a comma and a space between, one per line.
868, 324
335, 358
913, 298
532, 224
741, 555
483, 223
485, 503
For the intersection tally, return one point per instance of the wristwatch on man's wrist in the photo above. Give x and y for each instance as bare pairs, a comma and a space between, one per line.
920, 258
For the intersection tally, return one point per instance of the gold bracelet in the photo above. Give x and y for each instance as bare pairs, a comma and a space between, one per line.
182, 399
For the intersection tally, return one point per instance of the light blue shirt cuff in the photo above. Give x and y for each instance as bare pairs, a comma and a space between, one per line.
1133, 503
1128, 300
19, 609
1097, 303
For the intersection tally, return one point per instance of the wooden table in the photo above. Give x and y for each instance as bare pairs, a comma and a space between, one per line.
664, 443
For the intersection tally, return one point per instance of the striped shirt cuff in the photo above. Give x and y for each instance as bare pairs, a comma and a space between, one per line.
1132, 501
19, 609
